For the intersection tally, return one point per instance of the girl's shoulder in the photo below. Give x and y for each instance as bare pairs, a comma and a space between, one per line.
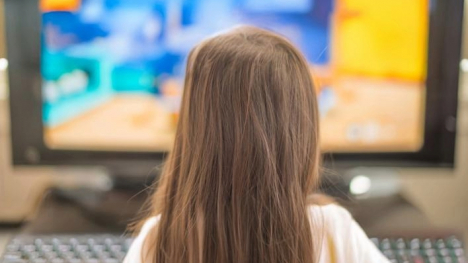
134, 254
150, 223
341, 238
329, 212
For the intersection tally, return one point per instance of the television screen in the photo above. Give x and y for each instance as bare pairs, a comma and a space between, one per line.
113, 69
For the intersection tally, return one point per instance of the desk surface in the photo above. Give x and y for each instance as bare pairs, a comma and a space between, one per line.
5, 235
391, 216
114, 211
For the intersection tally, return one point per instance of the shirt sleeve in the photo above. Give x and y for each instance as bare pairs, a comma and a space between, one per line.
365, 249
344, 239
135, 252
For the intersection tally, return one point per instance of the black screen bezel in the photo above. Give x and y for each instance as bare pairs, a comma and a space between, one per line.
23, 24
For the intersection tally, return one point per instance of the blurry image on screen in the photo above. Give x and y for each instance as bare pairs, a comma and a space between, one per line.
113, 69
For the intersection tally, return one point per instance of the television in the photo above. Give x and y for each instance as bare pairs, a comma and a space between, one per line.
99, 82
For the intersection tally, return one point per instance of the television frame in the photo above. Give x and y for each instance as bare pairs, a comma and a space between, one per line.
23, 28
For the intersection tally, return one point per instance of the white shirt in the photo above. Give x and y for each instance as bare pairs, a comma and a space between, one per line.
344, 240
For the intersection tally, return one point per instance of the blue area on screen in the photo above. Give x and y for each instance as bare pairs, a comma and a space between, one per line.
131, 46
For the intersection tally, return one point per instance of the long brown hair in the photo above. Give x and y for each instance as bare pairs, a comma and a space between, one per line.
245, 160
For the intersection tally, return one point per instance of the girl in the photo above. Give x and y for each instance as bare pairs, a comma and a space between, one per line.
239, 183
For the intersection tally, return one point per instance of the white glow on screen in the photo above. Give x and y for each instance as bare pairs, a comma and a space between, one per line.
3, 64
360, 184
464, 65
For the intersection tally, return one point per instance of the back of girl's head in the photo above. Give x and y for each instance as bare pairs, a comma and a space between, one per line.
245, 159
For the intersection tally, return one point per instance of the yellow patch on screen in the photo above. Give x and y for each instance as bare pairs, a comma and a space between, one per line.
60, 5
384, 39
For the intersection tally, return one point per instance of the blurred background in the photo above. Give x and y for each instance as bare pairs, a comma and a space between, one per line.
109, 75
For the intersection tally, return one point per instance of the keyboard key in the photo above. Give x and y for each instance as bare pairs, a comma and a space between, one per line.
401, 252
64, 248
85, 254
432, 260
418, 259
375, 241
427, 244
430, 252
415, 243
98, 248
440, 244
120, 256
29, 248
38, 242
444, 252
50, 255
82, 248
39, 260
12, 248
105, 254
108, 241
404, 258
115, 248
389, 254
454, 242
46, 248
459, 252
33, 254
67, 254
12, 255
385, 244
400, 244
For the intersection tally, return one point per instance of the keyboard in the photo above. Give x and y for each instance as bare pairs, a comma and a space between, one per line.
112, 249
417, 250
67, 249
